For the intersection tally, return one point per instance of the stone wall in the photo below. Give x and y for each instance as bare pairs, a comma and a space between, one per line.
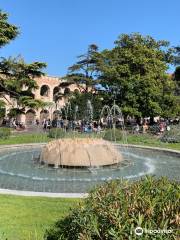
46, 87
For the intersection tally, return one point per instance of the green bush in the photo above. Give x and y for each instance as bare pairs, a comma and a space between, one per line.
2, 112
5, 133
154, 129
115, 209
56, 133
113, 135
172, 136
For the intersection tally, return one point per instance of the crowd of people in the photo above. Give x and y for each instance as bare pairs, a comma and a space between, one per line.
97, 126
80, 125
14, 123
158, 127
87, 126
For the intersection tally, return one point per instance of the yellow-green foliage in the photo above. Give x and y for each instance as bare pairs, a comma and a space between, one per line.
56, 133
5, 133
115, 209
113, 135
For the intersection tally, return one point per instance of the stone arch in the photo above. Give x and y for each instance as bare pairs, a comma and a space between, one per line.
67, 90
55, 91
45, 91
30, 117
44, 114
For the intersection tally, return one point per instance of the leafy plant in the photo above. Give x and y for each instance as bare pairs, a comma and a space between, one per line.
172, 136
113, 211
14, 112
2, 109
5, 133
56, 133
113, 135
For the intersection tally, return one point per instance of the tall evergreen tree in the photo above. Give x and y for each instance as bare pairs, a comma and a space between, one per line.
8, 31
82, 73
16, 76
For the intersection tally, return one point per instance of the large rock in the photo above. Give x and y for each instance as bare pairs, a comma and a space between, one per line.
80, 152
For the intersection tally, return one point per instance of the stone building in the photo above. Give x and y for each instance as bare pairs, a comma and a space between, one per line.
48, 87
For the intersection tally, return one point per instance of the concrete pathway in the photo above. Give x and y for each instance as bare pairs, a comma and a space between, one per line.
42, 194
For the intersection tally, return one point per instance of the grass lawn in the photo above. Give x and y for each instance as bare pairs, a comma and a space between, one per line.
25, 138
22, 138
150, 140
141, 139
26, 218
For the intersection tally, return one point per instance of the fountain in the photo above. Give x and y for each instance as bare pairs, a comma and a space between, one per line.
78, 163
110, 115
80, 152
83, 152
89, 115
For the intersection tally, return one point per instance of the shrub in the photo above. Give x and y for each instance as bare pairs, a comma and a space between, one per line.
172, 136
5, 133
113, 135
2, 112
115, 209
56, 133
154, 129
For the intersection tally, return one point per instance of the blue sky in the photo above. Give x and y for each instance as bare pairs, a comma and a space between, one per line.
57, 31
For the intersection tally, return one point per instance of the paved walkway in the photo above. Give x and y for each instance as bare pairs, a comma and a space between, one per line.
151, 148
42, 194
30, 130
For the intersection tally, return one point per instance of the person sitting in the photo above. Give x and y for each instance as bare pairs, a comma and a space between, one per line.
136, 129
37, 122
48, 124
162, 127
98, 129
21, 126
44, 124
145, 127
14, 125
54, 123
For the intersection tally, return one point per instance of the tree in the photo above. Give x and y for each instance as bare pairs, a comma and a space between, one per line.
177, 74
16, 76
177, 80
82, 73
79, 109
170, 102
135, 69
177, 70
177, 56
8, 31
2, 109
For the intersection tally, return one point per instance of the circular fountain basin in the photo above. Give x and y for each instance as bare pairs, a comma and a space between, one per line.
20, 171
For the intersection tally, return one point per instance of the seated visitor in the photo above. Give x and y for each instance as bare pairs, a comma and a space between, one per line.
48, 124
145, 127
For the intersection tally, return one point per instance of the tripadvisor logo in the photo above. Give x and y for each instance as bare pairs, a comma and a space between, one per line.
139, 231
